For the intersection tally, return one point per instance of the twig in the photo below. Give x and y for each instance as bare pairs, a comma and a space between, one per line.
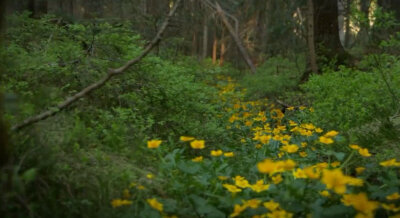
111, 73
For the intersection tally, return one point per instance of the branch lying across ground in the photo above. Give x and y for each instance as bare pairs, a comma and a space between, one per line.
111, 73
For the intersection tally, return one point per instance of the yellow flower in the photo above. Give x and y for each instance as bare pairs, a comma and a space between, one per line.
248, 123
229, 154
259, 186
233, 118
304, 144
355, 147
197, 144
318, 130
364, 152
325, 193
153, 143
241, 182
186, 138
290, 108
303, 154
354, 181
232, 188
286, 165
290, 148
277, 179
312, 172
216, 153
258, 146
335, 164
150, 176
141, 187
391, 207
198, 159
390, 163
325, 140
393, 196
331, 133
237, 210
360, 202
299, 174
279, 214
155, 204
271, 205
252, 203
359, 170
334, 180
302, 107
120, 202
222, 178
266, 166
265, 139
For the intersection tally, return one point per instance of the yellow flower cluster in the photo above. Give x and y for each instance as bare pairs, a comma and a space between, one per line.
270, 167
120, 202
153, 143
337, 181
362, 151
155, 204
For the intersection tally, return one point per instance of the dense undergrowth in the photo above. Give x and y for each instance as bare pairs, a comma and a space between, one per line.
173, 137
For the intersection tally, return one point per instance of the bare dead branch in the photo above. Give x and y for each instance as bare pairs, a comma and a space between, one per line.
236, 38
111, 73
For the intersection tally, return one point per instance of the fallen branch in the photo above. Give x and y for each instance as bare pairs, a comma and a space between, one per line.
111, 73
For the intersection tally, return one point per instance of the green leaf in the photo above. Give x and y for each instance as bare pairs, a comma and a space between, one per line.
189, 167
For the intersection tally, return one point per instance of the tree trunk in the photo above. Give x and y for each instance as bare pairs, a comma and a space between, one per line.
214, 51
222, 50
312, 57
363, 34
326, 32
347, 33
205, 37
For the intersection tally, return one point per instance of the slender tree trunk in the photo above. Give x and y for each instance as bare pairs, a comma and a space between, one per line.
348, 34
205, 37
194, 44
326, 32
222, 50
310, 37
312, 57
363, 34
214, 51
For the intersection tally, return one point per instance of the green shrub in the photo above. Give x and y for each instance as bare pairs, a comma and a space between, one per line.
273, 78
349, 98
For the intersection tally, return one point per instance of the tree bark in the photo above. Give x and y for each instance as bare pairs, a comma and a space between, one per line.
326, 32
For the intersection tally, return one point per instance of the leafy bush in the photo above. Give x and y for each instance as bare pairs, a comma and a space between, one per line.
349, 98
47, 60
273, 78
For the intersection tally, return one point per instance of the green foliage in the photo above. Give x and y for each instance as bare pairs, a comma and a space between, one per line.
273, 78
73, 163
349, 98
